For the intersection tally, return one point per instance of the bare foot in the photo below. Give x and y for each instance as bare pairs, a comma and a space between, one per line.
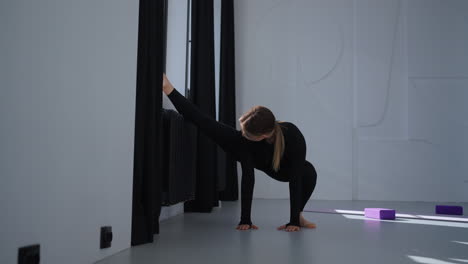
305, 223
246, 227
290, 228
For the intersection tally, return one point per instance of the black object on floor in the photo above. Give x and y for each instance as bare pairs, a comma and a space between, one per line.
29, 254
106, 236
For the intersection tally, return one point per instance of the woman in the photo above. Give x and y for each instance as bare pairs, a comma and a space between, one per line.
276, 148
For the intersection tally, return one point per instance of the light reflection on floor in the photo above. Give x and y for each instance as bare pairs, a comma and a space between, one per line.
461, 242
410, 221
429, 217
460, 260
426, 260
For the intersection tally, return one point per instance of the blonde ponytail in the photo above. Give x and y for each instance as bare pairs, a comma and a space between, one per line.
279, 147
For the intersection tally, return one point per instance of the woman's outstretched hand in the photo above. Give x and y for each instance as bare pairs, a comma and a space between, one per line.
246, 227
167, 85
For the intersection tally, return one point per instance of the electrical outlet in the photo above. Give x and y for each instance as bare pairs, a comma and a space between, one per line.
29, 254
106, 236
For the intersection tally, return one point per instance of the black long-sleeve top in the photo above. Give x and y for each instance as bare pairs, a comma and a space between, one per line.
253, 154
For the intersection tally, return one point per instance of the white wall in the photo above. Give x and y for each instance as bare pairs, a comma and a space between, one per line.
67, 107
416, 150
377, 87
295, 57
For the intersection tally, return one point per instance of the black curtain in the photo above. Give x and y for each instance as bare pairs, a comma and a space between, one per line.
146, 201
227, 98
202, 94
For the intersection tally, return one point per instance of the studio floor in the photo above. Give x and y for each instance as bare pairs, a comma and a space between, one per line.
345, 237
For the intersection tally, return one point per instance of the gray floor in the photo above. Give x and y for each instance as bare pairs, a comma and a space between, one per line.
339, 238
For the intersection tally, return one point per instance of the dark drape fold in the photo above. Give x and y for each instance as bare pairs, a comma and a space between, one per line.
202, 94
227, 98
178, 158
146, 202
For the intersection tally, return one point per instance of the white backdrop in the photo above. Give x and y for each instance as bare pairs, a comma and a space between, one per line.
377, 87
67, 113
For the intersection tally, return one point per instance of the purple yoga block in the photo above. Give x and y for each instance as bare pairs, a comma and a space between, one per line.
449, 209
380, 213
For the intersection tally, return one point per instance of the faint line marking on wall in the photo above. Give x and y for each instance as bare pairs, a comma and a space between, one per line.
389, 80
438, 77
332, 69
422, 140
263, 16
412, 80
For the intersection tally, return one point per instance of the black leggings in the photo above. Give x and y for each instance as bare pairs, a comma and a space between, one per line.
308, 183
309, 180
